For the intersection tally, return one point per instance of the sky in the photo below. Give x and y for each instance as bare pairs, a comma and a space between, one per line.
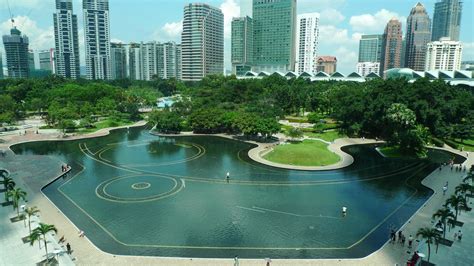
342, 22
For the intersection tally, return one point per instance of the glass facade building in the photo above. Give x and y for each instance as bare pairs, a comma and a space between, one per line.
241, 45
418, 35
447, 20
370, 48
274, 23
118, 56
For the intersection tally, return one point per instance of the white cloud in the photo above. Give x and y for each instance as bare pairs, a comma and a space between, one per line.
39, 38
230, 9
173, 29
373, 23
329, 34
331, 16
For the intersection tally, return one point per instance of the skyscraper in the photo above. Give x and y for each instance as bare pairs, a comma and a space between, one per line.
444, 55
118, 57
274, 24
169, 60
391, 46
16, 51
1, 66
135, 62
370, 48
418, 34
307, 41
66, 40
447, 20
97, 38
202, 42
242, 45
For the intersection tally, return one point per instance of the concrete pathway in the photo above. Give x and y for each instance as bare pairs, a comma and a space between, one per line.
86, 253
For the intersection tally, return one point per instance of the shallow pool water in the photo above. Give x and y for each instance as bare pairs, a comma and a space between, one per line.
133, 193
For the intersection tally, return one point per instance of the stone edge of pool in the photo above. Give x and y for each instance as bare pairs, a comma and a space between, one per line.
375, 258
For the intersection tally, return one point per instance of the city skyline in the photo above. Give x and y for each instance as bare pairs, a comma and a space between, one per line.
342, 23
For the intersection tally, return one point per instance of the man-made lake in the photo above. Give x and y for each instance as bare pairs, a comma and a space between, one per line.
133, 193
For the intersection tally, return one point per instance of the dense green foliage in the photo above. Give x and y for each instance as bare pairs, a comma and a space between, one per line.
220, 104
69, 104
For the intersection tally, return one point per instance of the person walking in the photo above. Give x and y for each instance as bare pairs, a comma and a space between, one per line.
268, 261
445, 188
236, 261
410, 241
68, 247
459, 235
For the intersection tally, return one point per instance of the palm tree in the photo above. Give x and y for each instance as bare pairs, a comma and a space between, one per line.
40, 232
8, 184
30, 211
457, 202
444, 214
431, 235
464, 188
17, 194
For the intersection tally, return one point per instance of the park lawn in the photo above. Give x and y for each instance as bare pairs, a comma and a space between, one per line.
330, 135
105, 124
467, 143
305, 153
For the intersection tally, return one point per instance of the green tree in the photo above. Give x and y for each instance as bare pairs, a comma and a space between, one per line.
40, 233
30, 211
431, 235
166, 121
294, 133
464, 189
444, 215
8, 185
457, 202
17, 194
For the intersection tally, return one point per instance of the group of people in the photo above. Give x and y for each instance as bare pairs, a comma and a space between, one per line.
400, 239
68, 246
65, 168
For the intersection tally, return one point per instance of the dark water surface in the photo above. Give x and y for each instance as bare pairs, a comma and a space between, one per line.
133, 193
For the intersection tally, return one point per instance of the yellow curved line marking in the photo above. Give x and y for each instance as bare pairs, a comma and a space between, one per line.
143, 199
243, 248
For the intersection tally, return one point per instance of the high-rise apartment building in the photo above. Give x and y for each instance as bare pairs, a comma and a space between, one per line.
326, 64
97, 38
274, 23
1, 66
16, 52
46, 60
66, 40
202, 41
444, 55
365, 68
241, 45
391, 46
418, 34
135, 62
370, 48
307, 41
149, 60
447, 20
118, 57
169, 60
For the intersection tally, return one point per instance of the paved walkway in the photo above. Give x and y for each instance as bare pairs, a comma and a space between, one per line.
87, 253
30, 177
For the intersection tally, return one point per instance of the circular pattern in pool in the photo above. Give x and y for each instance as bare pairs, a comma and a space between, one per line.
138, 194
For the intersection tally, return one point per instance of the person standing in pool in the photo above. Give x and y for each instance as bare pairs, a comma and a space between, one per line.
344, 211
227, 177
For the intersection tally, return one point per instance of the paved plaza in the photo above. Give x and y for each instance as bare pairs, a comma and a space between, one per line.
32, 172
